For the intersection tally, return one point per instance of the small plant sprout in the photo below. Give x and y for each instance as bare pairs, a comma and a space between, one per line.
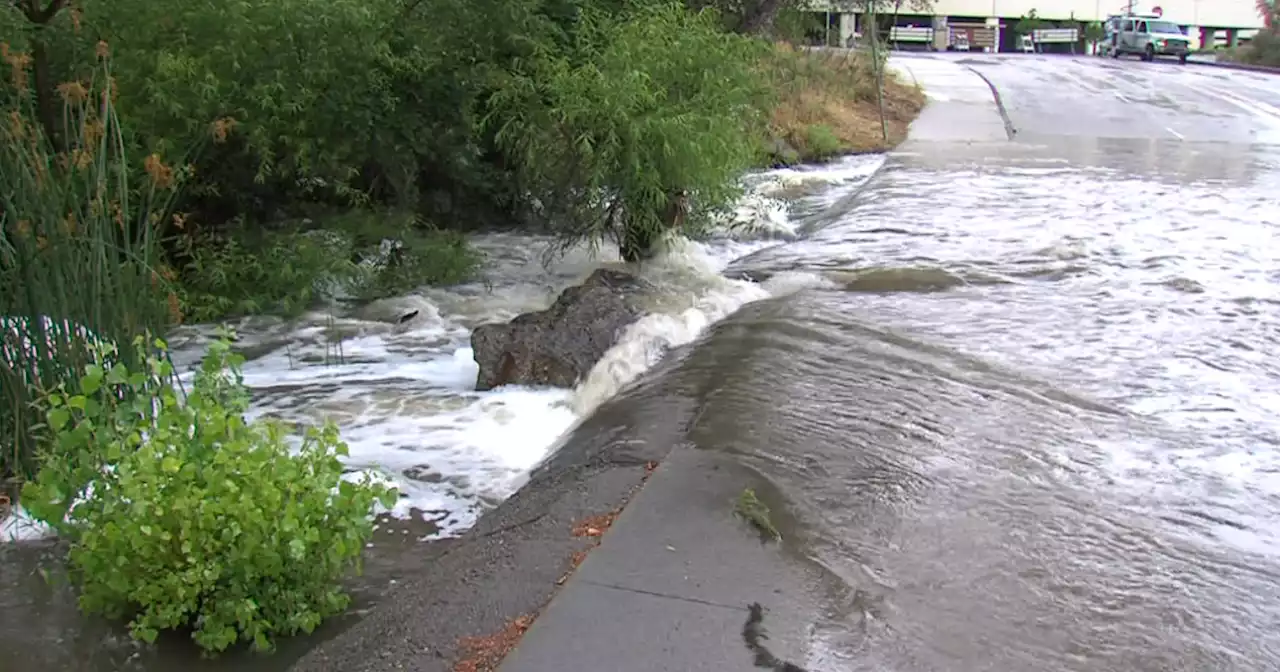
749, 507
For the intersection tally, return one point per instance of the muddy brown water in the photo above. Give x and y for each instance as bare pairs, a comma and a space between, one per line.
1029, 421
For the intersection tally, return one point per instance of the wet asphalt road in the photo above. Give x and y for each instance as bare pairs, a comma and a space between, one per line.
1094, 98
1115, 235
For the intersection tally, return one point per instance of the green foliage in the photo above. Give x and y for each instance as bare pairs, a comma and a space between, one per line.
301, 78
821, 142
183, 515
1263, 49
1094, 32
659, 103
79, 246
1028, 24
278, 272
289, 270
796, 25
593, 118
423, 258
756, 513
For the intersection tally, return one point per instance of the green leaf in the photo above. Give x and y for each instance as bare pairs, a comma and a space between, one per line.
170, 464
57, 418
91, 382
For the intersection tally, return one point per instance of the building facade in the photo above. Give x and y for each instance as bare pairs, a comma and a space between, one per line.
988, 25
1222, 14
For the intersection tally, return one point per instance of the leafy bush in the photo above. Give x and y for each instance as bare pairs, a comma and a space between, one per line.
1263, 49
658, 103
286, 271
422, 258
277, 272
184, 515
821, 142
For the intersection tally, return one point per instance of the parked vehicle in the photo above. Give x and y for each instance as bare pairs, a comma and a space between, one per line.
1149, 37
1111, 35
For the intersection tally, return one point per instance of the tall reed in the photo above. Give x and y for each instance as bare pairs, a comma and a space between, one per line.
80, 255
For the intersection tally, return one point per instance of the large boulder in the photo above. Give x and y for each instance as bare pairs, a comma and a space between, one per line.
559, 345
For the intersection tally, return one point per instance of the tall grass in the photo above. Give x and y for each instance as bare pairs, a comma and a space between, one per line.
836, 101
80, 255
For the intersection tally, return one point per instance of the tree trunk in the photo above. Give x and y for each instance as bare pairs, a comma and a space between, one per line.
46, 106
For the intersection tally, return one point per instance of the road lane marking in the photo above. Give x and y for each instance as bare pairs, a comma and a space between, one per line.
1259, 109
1080, 82
1175, 133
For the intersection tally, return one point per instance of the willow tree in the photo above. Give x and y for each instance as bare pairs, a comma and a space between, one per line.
641, 129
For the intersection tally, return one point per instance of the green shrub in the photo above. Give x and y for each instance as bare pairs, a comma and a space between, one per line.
285, 272
424, 258
281, 273
1263, 50
644, 108
821, 142
184, 515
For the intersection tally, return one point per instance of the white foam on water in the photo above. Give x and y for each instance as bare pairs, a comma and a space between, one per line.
398, 377
764, 211
20, 526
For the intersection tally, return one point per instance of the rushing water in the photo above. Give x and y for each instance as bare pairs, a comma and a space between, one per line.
1038, 427
1022, 403
402, 393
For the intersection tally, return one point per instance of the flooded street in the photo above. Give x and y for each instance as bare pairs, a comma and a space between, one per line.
1020, 395
1035, 424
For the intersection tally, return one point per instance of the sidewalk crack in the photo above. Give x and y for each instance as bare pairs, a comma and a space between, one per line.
654, 593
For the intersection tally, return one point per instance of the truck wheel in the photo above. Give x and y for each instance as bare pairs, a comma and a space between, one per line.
1149, 54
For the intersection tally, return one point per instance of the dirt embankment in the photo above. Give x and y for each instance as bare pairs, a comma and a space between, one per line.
828, 104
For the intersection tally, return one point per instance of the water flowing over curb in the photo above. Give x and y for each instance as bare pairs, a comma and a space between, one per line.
401, 389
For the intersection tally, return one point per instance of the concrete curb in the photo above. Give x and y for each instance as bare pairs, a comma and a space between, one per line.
671, 586
1009, 130
467, 605
538, 584
1266, 70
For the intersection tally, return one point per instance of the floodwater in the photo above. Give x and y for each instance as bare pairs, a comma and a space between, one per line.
1041, 435
403, 396
1022, 403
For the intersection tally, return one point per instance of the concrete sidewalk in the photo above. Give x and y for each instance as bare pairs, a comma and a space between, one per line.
669, 586
962, 106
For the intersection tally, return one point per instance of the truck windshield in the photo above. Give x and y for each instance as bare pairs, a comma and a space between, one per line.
1163, 27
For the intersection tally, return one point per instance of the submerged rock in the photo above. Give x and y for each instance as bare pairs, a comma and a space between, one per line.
559, 345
